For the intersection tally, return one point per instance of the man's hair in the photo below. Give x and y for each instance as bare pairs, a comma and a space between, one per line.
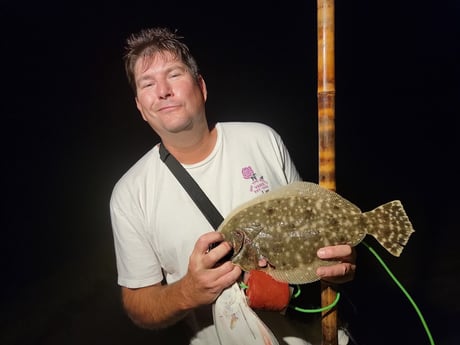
148, 42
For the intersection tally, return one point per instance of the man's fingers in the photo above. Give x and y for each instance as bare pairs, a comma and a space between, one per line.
338, 273
206, 241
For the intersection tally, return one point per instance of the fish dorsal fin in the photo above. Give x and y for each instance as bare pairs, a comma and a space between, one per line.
297, 188
292, 189
273, 194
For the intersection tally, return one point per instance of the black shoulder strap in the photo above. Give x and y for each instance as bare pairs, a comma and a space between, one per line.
194, 190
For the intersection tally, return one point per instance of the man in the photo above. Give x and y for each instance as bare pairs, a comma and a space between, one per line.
165, 268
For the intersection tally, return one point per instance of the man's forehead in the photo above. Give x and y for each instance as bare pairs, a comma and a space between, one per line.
161, 58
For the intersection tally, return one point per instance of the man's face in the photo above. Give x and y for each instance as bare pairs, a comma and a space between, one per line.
169, 98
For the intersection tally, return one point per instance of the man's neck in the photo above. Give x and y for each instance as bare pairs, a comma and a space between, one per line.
193, 151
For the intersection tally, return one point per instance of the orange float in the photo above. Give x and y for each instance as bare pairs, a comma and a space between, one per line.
266, 293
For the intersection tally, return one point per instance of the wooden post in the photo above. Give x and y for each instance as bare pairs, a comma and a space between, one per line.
326, 137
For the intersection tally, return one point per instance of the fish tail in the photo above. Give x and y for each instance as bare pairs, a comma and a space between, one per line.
390, 226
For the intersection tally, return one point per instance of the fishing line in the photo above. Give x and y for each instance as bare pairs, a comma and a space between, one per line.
419, 313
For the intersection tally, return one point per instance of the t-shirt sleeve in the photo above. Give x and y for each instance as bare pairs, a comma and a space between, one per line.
288, 166
137, 264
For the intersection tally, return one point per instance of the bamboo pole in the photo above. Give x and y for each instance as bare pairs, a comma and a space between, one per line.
326, 137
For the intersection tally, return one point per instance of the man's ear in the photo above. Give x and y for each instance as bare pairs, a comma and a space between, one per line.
138, 106
203, 88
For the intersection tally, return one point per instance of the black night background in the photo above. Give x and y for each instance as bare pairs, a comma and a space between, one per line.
70, 129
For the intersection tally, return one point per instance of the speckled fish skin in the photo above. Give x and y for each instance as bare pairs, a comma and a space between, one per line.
289, 224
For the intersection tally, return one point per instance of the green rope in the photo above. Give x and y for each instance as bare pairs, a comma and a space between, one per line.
317, 310
422, 319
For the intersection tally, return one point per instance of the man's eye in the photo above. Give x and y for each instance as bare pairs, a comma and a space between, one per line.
175, 73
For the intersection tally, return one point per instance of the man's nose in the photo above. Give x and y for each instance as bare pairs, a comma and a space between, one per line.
164, 90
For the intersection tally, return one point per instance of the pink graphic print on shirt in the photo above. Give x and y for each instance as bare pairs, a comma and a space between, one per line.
258, 184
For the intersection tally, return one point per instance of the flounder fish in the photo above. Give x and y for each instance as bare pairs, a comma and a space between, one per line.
287, 226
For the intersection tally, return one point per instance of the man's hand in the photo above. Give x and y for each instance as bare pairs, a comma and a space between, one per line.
342, 272
205, 278
158, 306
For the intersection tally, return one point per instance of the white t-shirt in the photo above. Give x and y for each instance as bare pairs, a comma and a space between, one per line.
156, 224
